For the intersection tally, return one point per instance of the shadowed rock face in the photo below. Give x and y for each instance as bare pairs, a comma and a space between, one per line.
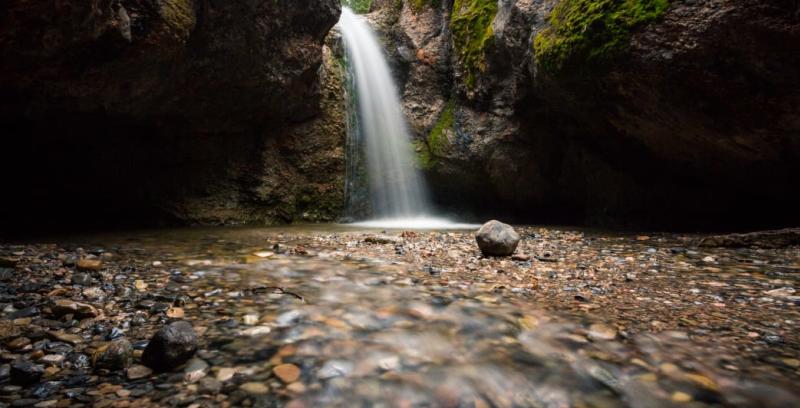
693, 123
188, 111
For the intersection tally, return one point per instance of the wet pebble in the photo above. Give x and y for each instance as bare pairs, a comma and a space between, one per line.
25, 373
138, 372
115, 355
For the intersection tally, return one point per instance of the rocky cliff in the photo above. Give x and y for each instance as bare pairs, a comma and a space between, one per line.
657, 113
187, 111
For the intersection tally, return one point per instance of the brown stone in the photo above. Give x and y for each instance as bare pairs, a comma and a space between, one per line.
288, 373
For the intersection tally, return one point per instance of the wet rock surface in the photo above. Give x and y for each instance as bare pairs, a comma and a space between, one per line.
575, 318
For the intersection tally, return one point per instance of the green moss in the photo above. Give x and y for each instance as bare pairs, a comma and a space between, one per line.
437, 142
471, 24
358, 6
179, 14
425, 160
418, 5
584, 33
437, 139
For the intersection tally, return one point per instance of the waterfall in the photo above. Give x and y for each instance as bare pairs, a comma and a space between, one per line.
398, 194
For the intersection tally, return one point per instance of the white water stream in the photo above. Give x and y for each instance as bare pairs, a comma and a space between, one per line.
397, 190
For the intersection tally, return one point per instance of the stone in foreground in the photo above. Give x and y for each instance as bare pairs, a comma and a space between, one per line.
497, 239
115, 355
170, 347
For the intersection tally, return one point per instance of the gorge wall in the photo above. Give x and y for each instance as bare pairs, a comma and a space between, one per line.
137, 112
649, 113
645, 113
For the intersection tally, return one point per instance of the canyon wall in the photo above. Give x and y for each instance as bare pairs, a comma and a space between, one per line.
651, 113
136, 112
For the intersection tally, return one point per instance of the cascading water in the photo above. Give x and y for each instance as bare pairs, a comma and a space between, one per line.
397, 191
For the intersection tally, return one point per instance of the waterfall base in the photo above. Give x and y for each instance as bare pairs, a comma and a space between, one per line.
423, 222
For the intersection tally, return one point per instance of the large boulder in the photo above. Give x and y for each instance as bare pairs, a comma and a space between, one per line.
497, 239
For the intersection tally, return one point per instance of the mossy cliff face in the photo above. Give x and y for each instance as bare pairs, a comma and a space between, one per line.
667, 114
471, 25
583, 33
184, 111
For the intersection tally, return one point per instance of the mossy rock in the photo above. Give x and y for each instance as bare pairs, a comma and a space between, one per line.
585, 34
471, 24
179, 15
437, 142
419, 5
358, 6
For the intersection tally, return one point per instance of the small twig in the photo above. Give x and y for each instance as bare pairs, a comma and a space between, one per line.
279, 290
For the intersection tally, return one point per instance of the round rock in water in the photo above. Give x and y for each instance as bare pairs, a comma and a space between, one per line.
170, 347
497, 239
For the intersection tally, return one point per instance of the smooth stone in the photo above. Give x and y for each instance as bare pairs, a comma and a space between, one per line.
173, 345
18, 343
86, 264
208, 385
73, 339
335, 368
93, 293
52, 359
138, 371
288, 373
115, 355
255, 388
62, 307
226, 373
195, 370
600, 331
497, 239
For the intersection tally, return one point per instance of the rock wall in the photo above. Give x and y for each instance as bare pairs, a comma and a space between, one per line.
178, 111
652, 113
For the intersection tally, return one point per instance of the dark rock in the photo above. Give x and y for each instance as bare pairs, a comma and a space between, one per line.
25, 373
82, 279
115, 355
8, 261
146, 304
497, 239
79, 360
159, 307
171, 346
6, 274
10, 389
46, 389
24, 402
26, 312
114, 334
773, 339
761, 239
